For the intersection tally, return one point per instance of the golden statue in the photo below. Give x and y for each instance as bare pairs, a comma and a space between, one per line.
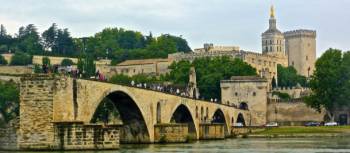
272, 12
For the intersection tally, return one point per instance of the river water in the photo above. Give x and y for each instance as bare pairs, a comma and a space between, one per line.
249, 145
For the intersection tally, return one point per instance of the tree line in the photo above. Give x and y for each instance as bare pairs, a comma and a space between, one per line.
117, 44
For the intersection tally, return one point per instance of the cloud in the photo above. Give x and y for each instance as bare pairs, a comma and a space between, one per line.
234, 22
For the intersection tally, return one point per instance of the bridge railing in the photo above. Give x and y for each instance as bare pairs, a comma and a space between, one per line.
151, 87
165, 90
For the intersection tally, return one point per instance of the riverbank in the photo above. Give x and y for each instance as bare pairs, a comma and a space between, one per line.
301, 131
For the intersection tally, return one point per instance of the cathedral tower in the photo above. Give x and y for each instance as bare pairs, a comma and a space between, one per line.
273, 39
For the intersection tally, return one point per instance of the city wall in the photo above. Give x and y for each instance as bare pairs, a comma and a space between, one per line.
292, 113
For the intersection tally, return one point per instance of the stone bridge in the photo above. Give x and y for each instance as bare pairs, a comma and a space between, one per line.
148, 116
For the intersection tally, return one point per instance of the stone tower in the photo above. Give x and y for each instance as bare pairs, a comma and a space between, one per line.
301, 50
273, 39
193, 90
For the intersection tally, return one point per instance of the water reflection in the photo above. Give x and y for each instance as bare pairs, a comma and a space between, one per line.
280, 145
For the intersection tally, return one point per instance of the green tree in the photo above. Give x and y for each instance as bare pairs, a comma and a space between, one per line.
67, 62
87, 66
328, 82
5, 40
50, 37
28, 40
58, 41
209, 72
20, 58
288, 77
2, 60
9, 102
46, 61
120, 79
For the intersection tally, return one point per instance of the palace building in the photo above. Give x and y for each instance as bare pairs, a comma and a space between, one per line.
295, 48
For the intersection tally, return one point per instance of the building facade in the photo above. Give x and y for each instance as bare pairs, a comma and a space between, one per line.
301, 50
248, 93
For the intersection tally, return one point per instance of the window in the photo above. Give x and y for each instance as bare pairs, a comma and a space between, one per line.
270, 42
264, 63
270, 48
307, 58
254, 93
293, 63
252, 60
236, 94
266, 49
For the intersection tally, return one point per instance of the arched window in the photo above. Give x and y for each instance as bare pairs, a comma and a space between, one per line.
196, 111
202, 114
158, 113
243, 105
207, 115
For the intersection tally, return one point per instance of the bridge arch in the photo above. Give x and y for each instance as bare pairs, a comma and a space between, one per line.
240, 119
219, 117
135, 128
182, 114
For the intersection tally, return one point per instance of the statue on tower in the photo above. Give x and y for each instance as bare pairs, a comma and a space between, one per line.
192, 86
272, 12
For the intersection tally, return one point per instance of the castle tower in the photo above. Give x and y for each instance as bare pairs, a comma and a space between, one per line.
301, 50
273, 39
193, 90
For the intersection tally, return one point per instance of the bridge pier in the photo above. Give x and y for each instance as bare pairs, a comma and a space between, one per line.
210, 131
170, 133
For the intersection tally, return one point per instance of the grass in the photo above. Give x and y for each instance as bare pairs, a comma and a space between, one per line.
305, 130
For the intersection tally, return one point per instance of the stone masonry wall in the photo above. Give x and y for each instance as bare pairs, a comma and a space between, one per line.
170, 132
77, 136
36, 112
8, 136
292, 113
211, 131
16, 70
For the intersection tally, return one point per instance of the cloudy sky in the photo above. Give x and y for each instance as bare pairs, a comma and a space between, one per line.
222, 22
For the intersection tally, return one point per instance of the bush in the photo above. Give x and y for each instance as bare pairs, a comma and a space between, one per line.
283, 96
9, 101
120, 79
2, 60
38, 69
67, 62
20, 58
46, 61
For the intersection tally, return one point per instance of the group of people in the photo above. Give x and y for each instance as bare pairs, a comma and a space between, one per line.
47, 69
161, 88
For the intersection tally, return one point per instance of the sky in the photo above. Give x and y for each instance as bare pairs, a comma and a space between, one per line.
222, 22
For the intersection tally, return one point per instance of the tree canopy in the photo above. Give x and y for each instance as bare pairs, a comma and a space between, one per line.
117, 44
209, 72
9, 102
330, 82
67, 62
20, 58
288, 77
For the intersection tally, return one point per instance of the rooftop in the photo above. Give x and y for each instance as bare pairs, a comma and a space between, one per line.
142, 62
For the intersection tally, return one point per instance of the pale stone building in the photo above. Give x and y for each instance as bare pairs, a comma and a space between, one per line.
247, 92
154, 67
301, 50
